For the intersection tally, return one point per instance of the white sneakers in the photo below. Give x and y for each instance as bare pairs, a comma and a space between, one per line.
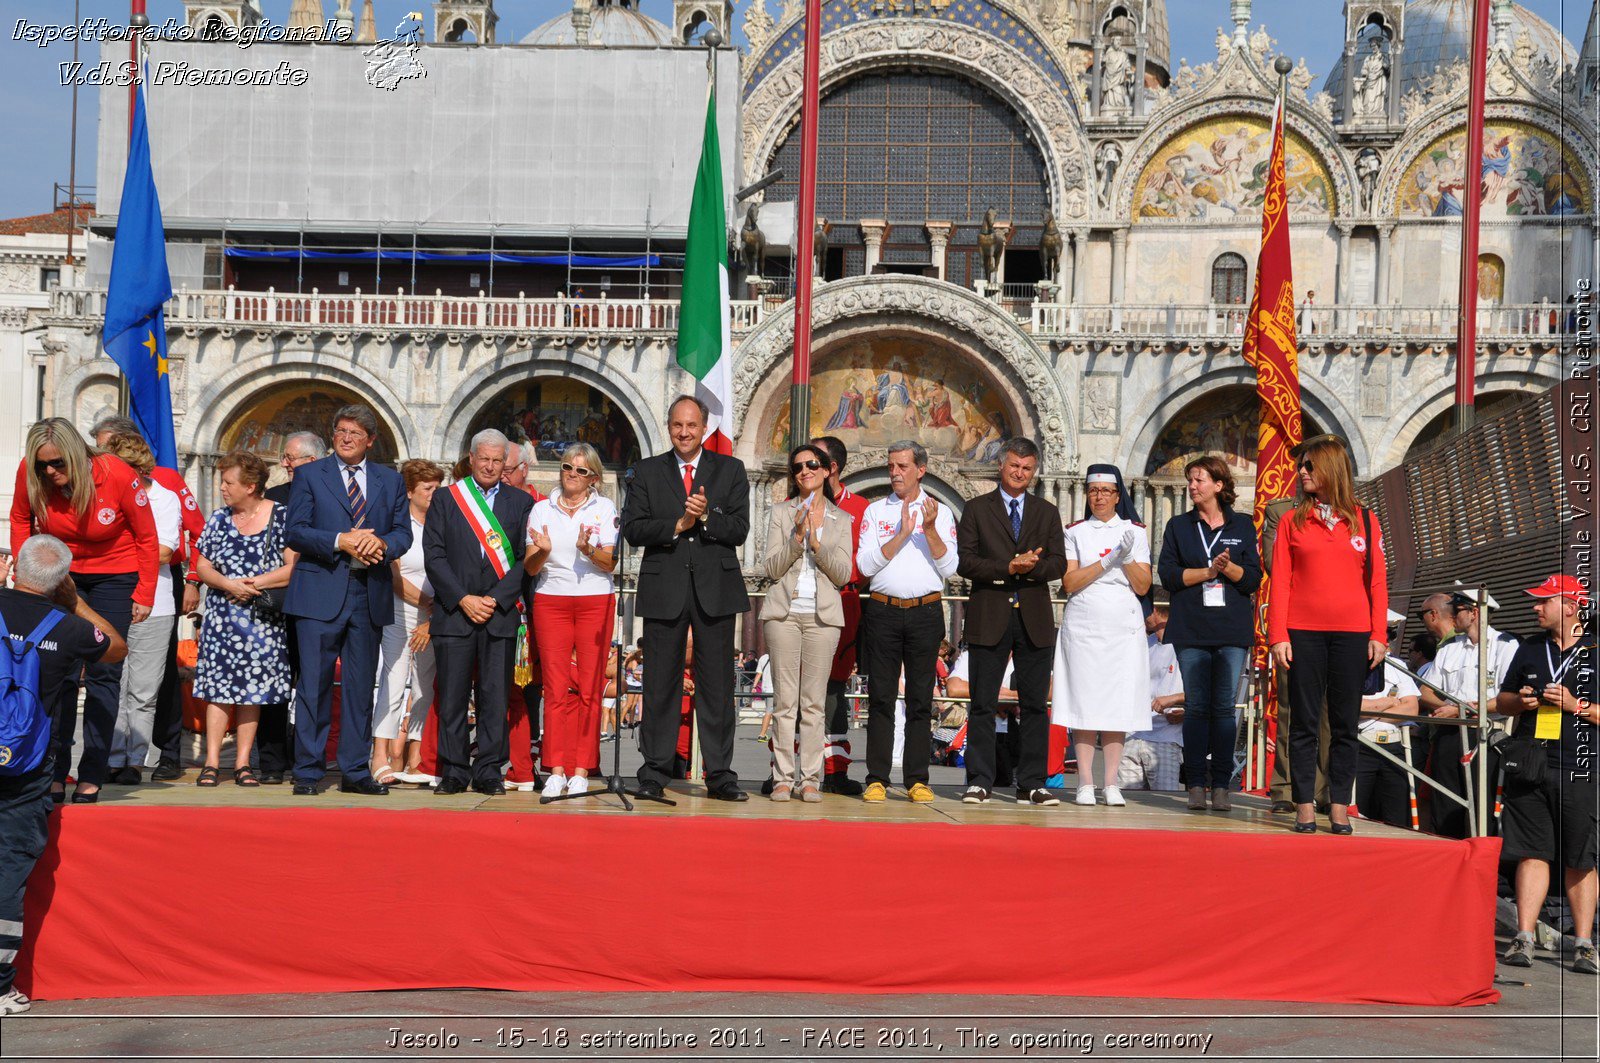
1085, 796
578, 784
1114, 797
13, 1002
554, 786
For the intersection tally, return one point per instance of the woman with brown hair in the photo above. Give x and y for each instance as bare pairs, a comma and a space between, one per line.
244, 560
407, 675
1210, 566
1327, 613
95, 504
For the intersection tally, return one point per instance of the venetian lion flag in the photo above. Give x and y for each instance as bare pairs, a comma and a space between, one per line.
705, 346
1269, 346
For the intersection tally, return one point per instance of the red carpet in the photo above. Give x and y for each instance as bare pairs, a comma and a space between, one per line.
158, 902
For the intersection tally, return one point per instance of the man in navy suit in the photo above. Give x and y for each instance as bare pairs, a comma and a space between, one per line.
473, 544
348, 519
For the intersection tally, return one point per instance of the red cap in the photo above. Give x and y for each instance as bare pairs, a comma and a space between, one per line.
1561, 587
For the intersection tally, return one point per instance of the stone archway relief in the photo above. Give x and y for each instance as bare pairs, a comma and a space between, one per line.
954, 318
772, 106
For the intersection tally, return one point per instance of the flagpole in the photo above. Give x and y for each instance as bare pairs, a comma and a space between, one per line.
806, 222
1471, 207
137, 21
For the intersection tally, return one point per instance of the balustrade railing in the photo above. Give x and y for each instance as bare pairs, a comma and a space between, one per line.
401, 311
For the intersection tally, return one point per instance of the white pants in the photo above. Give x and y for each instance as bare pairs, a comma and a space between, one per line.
398, 668
142, 672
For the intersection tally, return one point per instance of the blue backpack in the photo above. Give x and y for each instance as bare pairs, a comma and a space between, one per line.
24, 720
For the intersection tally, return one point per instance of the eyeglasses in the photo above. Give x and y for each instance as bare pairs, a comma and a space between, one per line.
567, 466
41, 466
349, 433
1101, 491
1306, 466
813, 464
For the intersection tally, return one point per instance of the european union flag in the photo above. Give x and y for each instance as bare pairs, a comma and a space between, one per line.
135, 333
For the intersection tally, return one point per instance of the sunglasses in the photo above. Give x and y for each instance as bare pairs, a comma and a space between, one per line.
813, 464
1306, 466
40, 467
567, 466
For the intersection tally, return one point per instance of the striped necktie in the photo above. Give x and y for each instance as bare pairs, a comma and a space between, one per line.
358, 501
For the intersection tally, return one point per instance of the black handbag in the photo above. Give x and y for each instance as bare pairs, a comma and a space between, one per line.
1525, 760
269, 602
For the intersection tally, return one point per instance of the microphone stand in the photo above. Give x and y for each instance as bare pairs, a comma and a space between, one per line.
623, 630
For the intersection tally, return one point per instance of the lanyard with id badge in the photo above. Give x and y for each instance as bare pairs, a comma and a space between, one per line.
1211, 595
1547, 725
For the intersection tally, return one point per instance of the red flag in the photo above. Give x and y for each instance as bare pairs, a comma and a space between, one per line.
1269, 346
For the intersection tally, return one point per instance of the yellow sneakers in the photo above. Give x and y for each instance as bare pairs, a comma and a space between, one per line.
875, 791
920, 792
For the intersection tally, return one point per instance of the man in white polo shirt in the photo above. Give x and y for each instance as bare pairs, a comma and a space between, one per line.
907, 551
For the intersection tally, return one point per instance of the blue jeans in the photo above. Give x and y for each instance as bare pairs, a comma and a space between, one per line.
1210, 683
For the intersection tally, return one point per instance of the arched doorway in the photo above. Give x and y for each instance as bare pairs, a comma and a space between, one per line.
1226, 422
1487, 405
552, 412
262, 422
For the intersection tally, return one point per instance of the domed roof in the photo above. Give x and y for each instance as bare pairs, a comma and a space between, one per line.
1438, 32
611, 23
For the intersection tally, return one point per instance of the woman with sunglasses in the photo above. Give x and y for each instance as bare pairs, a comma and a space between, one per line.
808, 560
94, 503
1102, 672
1327, 613
572, 538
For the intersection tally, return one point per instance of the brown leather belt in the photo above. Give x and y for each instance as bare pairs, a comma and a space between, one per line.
905, 603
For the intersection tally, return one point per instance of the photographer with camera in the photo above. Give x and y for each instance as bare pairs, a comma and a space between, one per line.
1550, 805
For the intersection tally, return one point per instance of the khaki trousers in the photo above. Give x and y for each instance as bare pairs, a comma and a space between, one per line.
801, 651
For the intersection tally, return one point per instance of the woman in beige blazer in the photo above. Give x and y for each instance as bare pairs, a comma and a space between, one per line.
808, 560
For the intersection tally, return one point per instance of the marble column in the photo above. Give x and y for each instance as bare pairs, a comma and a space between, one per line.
1341, 288
873, 231
1385, 232
1080, 255
938, 241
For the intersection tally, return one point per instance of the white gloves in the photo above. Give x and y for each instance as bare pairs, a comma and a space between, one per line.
1122, 551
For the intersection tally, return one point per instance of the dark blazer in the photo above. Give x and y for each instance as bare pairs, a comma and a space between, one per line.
706, 557
1192, 623
319, 510
457, 567
985, 545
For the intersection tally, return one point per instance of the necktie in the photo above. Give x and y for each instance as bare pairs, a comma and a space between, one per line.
358, 501
1016, 520
688, 480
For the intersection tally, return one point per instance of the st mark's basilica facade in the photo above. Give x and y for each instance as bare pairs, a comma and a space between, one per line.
494, 243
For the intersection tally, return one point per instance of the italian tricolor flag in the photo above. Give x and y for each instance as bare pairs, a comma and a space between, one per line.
705, 346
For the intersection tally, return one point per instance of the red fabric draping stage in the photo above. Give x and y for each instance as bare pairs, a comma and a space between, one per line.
180, 901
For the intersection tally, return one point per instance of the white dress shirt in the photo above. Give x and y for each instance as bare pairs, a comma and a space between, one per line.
361, 477
914, 571
1165, 679
1456, 665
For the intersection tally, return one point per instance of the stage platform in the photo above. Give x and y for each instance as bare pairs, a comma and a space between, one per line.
173, 890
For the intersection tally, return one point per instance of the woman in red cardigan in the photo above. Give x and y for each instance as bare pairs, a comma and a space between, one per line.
1327, 612
94, 503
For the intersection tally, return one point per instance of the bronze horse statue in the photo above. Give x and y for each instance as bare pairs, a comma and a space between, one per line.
752, 245
1050, 248
991, 246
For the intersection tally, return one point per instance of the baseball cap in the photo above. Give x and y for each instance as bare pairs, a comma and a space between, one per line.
1560, 586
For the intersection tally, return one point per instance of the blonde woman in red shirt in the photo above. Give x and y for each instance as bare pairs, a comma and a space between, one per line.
1327, 614
95, 503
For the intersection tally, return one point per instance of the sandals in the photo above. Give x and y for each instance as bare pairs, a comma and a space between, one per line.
245, 777
385, 775
208, 776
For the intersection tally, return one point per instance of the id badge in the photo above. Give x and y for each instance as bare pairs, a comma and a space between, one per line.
1211, 594
1548, 724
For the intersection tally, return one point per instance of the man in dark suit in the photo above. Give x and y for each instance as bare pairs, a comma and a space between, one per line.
348, 518
1011, 548
274, 743
472, 548
690, 510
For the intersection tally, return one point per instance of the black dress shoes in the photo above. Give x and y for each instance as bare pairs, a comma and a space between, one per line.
271, 778
167, 770
840, 783
81, 798
651, 790
370, 787
728, 791
488, 789
450, 786
305, 789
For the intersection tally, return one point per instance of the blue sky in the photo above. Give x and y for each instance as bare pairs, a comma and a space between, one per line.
39, 108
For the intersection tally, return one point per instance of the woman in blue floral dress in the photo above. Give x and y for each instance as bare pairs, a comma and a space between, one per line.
244, 646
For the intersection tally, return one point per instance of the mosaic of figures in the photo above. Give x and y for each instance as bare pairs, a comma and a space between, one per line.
1224, 422
552, 413
269, 419
871, 393
1526, 172
1218, 169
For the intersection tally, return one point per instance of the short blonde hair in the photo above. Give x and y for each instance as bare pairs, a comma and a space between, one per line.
586, 453
133, 450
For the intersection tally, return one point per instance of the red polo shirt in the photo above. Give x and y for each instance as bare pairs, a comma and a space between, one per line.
1317, 580
117, 534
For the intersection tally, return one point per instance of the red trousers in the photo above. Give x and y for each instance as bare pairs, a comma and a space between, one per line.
574, 636
521, 720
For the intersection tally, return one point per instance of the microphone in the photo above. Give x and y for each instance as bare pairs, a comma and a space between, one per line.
627, 476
